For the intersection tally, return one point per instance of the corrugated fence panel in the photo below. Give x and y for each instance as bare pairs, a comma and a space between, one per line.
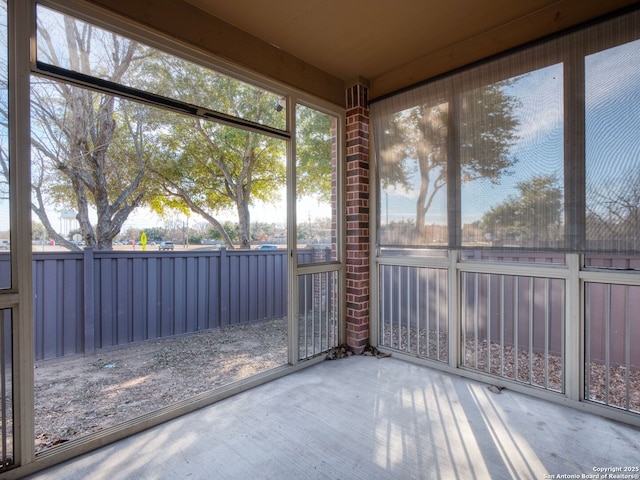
166, 278
5, 270
191, 297
150, 295
57, 305
73, 333
254, 292
610, 307
212, 303
523, 309
138, 296
123, 286
139, 308
256, 284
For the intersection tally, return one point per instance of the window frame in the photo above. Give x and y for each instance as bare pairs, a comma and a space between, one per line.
568, 49
22, 65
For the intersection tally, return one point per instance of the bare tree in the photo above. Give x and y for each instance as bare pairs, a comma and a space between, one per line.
613, 212
88, 147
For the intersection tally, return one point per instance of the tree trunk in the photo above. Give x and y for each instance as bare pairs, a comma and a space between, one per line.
244, 222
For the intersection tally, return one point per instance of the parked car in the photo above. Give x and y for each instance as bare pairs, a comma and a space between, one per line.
267, 247
165, 246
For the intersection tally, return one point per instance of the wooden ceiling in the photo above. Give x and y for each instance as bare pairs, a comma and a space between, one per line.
322, 45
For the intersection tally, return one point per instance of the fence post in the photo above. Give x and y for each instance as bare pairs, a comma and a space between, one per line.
224, 288
574, 329
87, 302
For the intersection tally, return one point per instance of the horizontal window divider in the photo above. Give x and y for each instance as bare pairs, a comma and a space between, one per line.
611, 276
8, 300
414, 262
306, 269
100, 85
516, 269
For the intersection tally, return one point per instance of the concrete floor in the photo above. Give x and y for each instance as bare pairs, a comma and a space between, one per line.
367, 418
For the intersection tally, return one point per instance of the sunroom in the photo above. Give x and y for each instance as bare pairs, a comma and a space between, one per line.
201, 198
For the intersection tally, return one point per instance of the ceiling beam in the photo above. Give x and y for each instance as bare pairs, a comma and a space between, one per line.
187, 23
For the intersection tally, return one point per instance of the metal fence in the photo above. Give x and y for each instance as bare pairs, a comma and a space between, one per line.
318, 313
85, 301
612, 358
513, 326
413, 310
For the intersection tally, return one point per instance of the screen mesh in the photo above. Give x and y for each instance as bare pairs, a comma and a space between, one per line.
525, 151
612, 105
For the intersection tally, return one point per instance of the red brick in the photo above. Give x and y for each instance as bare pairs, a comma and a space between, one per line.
357, 211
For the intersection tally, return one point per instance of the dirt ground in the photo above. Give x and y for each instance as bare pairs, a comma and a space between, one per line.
77, 396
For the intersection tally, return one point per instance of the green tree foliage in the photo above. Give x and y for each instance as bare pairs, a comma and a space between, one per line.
71, 233
104, 156
155, 234
210, 167
532, 218
230, 230
417, 144
315, 133
37, 230
261, 231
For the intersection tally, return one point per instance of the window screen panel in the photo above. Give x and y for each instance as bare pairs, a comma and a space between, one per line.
511, 161
5, 229
316, 182
537, 150
108, 56
612, 142
412, 167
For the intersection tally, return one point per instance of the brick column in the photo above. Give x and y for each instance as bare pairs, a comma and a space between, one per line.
357, 204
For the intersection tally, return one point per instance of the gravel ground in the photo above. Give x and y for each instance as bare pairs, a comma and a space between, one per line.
535, 370
77, 396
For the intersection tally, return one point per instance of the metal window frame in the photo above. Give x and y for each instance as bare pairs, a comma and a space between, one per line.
22, 65
573, 272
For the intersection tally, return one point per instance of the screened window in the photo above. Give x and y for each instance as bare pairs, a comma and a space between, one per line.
316, 185
511, 156
5, 230
612, 103
413, 155
495, 157
156, 219
184, 80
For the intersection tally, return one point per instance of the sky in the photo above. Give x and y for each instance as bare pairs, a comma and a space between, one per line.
612, 129
307, 208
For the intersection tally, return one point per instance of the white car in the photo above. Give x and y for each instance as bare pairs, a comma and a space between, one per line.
165, 246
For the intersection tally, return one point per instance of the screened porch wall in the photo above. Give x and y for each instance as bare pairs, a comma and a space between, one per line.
507, 243
516, 326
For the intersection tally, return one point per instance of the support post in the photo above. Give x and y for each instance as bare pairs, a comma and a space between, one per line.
88, 288
357, 204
